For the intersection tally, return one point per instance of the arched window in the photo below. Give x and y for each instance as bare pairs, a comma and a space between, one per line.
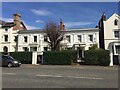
116, 22
5, 49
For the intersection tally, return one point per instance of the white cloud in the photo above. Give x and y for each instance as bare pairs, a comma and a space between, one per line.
39, 21
11, 20
29, 26
6, 19
72, 24
41, 12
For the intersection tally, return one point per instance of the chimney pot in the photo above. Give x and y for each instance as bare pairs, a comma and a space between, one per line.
104, 16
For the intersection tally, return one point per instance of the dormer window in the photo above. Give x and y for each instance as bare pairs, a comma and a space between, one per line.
6, 29
116, 22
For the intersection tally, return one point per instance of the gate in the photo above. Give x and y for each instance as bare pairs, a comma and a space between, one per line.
115, 60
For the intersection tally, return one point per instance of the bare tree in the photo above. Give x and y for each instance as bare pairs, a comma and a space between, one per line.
54, 34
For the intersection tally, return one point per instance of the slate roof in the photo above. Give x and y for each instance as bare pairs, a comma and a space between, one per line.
11, 24
2, 22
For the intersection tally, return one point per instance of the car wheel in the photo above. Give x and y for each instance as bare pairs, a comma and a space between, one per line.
9, 65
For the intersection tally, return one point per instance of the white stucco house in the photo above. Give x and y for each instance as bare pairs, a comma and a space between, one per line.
14, 36
35, 40
84, 38
9, 33
110, 36
112, 33
31, 40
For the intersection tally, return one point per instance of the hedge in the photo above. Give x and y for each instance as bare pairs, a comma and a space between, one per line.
97, 57
59, 57
24, 57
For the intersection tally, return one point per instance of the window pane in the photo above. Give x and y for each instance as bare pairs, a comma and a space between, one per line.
35, 48
6, 38
45, 38
6, 29
25, 39
116, 22
25, 49
68, 38
90, 38
45, 48
15, 38
116, 34
117, 49
35, 38
79, 38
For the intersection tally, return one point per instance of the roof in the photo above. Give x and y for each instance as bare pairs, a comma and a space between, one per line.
8, 24
11, 24
31, 31
66, 30
2, 22
81, 29
116, 15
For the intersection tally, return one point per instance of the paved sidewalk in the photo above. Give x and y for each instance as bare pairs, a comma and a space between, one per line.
77, 65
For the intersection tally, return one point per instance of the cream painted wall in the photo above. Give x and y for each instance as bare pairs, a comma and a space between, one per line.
109, 28
40, 41
73, 37
11, 36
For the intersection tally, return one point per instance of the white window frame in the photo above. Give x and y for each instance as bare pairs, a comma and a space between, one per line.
7, 38
6, 29
114, 48
79, 38
88, 38
69, 41
24, 39
34, 38
116, 22
114, 33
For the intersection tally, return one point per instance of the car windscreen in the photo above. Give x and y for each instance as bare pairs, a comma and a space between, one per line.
8, 57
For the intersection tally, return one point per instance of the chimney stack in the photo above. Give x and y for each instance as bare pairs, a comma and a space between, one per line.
63, 27
17, 20
104, 16
61, 24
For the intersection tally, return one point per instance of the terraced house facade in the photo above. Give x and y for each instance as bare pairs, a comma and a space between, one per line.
9, 33
35, 40
110, 35
14, 36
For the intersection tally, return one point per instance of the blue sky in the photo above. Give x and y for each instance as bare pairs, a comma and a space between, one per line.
73, 15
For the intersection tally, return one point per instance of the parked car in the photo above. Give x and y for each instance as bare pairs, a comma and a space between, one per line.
9, 61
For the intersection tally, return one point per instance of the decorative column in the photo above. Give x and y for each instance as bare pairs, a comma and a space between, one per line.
34, 58
111, 55
111, 58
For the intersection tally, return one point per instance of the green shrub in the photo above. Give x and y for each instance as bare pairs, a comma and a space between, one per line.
97, 57
59, 57
24, 57
94, 47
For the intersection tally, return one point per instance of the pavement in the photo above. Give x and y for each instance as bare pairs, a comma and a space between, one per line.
60, 76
